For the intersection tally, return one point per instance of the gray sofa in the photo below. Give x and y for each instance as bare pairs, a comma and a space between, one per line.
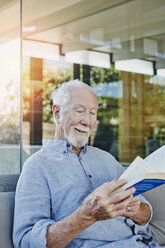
157, 225
7, 194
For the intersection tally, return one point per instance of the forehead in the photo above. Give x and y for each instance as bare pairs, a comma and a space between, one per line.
83, 97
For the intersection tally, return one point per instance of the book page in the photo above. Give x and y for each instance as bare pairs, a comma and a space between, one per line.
157, 159
137, 169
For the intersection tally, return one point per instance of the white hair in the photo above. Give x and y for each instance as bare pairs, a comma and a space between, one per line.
61, 95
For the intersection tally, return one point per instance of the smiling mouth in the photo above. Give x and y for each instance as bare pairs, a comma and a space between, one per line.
80, 131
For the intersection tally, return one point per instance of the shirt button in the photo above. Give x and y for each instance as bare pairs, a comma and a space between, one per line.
90, 176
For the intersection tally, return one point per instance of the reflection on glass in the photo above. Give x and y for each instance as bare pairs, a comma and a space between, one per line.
40, 78
108, 90
131, 105
135, 65
10, 106
141, 121
129, 121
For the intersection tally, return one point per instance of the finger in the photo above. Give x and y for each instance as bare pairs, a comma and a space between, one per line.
135, 202
135, 199
122, 205
131, 213
131, 210
109, 187
120, 212
117, 184
122, 195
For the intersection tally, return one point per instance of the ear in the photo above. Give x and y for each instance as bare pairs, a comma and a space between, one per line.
56, 113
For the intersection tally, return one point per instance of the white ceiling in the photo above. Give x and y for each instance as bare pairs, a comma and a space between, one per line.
118, 26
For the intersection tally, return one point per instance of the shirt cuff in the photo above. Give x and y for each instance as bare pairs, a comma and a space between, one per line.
39, 232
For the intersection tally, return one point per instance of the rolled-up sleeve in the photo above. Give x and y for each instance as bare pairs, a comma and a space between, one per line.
32, 207
140, 228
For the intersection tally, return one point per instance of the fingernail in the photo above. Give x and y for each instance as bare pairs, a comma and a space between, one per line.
123, 180
133, 190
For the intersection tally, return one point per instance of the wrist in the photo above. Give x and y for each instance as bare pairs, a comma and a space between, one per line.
86, 215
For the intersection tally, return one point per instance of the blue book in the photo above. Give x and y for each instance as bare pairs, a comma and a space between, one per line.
143, 176
147, 182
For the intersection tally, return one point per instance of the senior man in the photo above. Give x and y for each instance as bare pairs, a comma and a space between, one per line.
63, 197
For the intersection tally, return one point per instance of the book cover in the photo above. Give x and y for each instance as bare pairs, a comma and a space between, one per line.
146, 182
146, 185
143, 176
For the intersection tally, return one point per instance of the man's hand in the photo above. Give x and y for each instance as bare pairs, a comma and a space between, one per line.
137, 211
102, 205
133, 208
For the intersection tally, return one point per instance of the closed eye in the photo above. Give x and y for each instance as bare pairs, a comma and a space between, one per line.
80, 111
93, 113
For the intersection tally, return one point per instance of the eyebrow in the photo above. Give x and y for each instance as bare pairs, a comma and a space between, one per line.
82, 106
78, 105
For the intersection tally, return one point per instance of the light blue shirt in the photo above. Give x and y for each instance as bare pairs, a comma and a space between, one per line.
54, 182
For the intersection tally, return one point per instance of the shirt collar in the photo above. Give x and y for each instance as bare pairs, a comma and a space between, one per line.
61, 146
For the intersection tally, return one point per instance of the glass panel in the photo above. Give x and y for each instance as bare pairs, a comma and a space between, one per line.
40, 78
141, 115
131, 105
9, 87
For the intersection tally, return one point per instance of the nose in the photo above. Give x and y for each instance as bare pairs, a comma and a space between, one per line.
86, 119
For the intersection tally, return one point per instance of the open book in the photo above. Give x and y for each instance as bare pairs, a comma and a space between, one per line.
143, 176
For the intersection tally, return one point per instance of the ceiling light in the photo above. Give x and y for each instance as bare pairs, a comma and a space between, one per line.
40, 50
135, 65
29, 29
161, 72
91, 58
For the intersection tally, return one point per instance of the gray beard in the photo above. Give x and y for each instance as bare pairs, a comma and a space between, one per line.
74, 141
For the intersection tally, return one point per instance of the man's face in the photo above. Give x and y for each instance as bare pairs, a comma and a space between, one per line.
78, 117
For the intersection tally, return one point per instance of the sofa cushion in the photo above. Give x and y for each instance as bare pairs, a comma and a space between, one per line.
6, 218
8, 182
157, 199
